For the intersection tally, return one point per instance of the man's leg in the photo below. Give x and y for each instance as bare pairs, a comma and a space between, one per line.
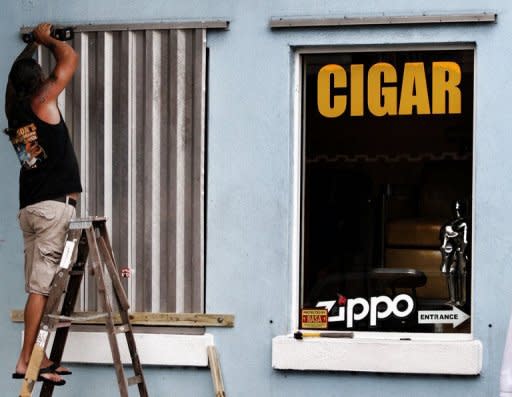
44, 227
34, 309
33, 313
35, 304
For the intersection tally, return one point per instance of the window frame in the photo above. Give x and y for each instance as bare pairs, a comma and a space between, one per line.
298, 148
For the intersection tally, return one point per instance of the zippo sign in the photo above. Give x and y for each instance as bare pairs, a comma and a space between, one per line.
377, 308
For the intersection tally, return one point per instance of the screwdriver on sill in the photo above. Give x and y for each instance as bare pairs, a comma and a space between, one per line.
301, 335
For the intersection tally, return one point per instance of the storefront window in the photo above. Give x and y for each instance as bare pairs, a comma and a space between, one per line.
387, 190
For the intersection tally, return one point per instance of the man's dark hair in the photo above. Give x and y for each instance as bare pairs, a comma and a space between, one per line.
26, 77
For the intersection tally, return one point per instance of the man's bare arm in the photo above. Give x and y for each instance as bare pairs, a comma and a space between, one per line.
44, 102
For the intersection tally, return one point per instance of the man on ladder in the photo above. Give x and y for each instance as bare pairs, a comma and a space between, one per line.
49, 179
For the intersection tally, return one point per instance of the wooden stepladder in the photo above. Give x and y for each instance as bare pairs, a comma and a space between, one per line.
87, 242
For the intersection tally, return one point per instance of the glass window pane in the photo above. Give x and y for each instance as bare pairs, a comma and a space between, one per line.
387, 189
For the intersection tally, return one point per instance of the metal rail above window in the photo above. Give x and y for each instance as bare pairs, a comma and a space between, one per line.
381, 20
119, 27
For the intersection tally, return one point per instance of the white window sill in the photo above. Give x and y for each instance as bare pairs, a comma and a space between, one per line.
153, 349
462, 357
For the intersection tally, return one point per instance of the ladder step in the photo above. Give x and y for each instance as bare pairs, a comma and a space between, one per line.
78, 317
134, 380
76, 272
63, 324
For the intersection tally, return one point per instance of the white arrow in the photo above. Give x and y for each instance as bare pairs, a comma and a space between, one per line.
454, 316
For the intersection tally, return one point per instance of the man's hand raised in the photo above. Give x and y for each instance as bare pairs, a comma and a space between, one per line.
42, 33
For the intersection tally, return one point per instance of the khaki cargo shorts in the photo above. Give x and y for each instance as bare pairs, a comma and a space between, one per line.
44, 226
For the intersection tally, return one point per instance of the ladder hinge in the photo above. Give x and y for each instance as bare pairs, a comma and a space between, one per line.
123, 328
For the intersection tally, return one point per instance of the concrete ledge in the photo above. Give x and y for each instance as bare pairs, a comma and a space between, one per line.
153, 349
378, 355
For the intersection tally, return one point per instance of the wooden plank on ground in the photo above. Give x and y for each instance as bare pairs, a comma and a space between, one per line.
214, 363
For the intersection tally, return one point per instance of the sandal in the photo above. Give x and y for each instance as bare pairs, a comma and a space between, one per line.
54, 368
40, 378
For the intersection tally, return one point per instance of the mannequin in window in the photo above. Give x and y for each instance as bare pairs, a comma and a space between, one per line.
454, 254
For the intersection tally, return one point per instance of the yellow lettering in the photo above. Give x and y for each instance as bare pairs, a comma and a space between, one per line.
382, 89
325, 94
382, 73
446, 76
414, 90
356, 90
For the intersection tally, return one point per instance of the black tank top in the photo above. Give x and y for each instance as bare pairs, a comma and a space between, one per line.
49, 168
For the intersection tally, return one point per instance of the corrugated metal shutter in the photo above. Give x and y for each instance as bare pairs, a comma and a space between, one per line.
136, 112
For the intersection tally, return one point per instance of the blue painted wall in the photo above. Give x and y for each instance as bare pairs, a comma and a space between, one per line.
250, 190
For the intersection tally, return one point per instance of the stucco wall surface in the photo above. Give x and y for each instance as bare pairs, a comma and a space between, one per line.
250, 191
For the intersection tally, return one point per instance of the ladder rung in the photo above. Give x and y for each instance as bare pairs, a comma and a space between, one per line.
63, 324
78, 317
134, 380
76, 272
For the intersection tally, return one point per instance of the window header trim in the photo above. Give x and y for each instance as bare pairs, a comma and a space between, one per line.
346, 21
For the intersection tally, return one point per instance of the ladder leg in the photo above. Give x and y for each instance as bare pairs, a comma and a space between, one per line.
106, 301
36, 358
68, 306
117, 285
106, 239
137, 367
122, 302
